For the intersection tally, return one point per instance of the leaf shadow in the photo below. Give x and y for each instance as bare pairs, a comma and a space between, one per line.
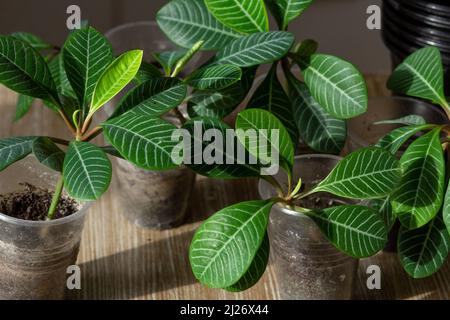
131, 273
161, 265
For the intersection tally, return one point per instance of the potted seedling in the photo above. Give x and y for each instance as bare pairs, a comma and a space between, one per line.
303, 206
149, 198
314, 109
41, 222
421, 202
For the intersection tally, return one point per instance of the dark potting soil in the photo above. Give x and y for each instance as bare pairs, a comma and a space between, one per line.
32, 204
318, 202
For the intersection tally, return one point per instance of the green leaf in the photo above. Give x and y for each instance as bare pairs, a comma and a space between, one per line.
421, 75
23, 70
271, 96
446, 208
214, 104
244, 16
33, 40
154, 97
287, 10
147, 72
423, 251
86, 55
69, 106
24, 104
187, 58
112, 151
59, 74
369, 173
419, 195
14, 149
48, 153
335, 84
410, 120
321, 131
118, 74
169, 59
256, 269
225, 245
228, 166
221, 103
356, 230
384, 208
306, 48
144, 140
263, 123
186, 22
87, 171
256, 49
215, 77
396, 138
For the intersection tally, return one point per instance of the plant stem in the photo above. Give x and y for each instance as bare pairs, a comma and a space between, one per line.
87, 123
304, 195
289, 174
56, 198
92, 134
67, 122
296, 189
179, 115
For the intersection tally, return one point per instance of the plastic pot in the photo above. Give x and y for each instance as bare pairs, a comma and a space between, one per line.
362, 132
154, 199
307, 266
35, 255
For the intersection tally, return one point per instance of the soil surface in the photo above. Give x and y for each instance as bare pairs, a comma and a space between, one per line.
32, 204
317, 202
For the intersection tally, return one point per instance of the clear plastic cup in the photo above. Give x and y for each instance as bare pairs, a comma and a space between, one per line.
307, 266
363, 132
35, 255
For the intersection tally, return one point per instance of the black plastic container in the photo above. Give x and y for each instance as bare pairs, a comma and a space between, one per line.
435, 7
409, 25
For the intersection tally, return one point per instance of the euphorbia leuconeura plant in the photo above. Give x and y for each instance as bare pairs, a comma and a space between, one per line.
230, 250
75, 82
420, 202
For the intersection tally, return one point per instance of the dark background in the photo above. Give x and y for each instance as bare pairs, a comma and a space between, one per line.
338, 25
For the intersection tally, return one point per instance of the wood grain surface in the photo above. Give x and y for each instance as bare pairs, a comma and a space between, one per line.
121, 261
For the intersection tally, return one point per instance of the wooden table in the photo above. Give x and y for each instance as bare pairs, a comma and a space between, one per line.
120, 261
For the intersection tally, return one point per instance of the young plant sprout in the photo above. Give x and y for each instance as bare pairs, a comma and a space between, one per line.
75, 82
420, 202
